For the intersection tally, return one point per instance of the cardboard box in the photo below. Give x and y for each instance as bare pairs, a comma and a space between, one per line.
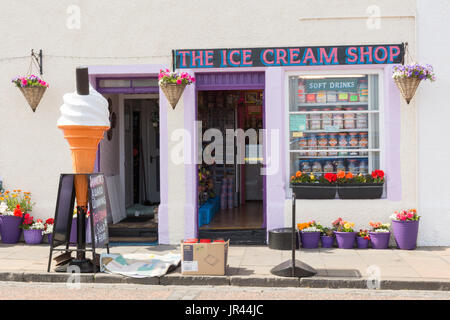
204, 258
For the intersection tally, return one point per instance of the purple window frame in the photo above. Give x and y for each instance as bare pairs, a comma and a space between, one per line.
126, 90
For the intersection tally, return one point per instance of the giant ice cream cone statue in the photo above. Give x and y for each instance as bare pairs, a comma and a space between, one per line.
84, 119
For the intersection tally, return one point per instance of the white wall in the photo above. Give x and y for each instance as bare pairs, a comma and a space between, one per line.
115, 32
433, 110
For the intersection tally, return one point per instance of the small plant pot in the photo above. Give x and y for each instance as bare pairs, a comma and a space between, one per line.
379, 240
362, 243
49, 238
345, 240
10, 230
32, 236
310, 240
405, 234
327, 241
360, 191
314, 191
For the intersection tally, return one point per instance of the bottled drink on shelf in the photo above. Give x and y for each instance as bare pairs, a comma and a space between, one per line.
361, 119
349, 119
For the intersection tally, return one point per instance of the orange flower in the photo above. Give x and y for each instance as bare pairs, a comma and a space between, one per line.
302, 226
298, 174
349, 175
293, 177
341, 174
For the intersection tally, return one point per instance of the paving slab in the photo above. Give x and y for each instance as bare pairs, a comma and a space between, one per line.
424, 268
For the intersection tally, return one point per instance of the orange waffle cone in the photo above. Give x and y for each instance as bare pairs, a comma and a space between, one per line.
83, 141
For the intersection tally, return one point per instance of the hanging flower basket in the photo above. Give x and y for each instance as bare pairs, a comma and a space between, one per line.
173, 84
173, 92
33, 88
408, 77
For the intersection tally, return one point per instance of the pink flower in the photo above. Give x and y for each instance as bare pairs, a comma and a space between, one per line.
179, 81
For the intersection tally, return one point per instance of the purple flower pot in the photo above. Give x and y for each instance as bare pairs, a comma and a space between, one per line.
49, 238
345, 240
32, 236
10, 230
379, 240
405, 234
327, 242
310, 240
362, 243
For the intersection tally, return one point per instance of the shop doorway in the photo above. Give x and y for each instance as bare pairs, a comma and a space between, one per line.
231, 191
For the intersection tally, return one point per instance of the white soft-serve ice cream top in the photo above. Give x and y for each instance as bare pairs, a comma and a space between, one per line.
88, 110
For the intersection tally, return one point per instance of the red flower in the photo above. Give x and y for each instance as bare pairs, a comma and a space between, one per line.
374, 174
380, 173
50, 221
18, 212
28, 219
331, 177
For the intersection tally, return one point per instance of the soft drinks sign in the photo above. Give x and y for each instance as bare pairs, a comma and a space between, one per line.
289, 56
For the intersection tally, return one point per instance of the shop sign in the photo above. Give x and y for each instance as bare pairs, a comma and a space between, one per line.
288, 56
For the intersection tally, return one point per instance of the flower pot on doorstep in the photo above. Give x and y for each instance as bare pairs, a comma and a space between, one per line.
310, 240
379, 240
345, 240
10, 230
360, 191
313, 191
405, 233
32, 236
362, 243
327, 241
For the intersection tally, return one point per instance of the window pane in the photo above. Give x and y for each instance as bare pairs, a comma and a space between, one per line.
334, 123
119, 83
153, 82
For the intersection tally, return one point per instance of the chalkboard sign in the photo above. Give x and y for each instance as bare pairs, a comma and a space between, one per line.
64, 209
99, 208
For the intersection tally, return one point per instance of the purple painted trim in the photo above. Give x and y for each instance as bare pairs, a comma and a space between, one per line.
127, 90
392, 114
163, 210
230, 80
190, 167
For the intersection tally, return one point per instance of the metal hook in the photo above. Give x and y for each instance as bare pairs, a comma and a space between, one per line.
38, 59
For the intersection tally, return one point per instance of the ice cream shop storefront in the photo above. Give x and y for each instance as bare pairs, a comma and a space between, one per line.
219, 164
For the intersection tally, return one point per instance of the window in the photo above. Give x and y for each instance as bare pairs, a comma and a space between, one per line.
334, 123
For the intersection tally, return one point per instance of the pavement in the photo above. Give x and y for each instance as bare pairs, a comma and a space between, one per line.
425, 268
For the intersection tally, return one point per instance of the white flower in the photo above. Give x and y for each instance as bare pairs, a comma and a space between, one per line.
311, 229
49, 229
393, 216
381, 230
37, 226
3, 208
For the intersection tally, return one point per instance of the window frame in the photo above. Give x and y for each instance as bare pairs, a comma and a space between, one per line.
326, 72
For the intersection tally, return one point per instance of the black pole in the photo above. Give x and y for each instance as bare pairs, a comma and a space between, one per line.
82, 76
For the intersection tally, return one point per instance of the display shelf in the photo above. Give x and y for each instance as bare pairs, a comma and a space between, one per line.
334, 150
332, 157
327, 104
338, 131
334, 112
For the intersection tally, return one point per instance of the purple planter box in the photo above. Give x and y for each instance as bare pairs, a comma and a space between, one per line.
310, 240
32, 236
362, 243
345, 240
10, 230
379, 240
405, 234
327, 242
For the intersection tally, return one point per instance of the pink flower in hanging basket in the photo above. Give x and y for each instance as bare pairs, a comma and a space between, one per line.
29, 82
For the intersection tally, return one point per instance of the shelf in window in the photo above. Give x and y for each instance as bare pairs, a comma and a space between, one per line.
334, 150
339, 131
337, 103
334, 112
333, 157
